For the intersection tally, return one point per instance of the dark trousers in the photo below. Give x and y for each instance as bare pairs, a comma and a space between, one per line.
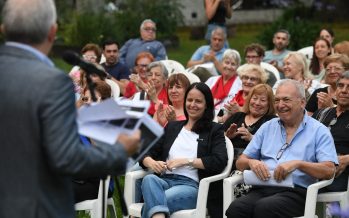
269, 202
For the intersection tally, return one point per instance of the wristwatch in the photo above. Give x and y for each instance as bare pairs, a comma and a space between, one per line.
191, 162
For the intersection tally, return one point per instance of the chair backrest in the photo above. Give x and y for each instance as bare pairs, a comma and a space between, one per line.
307, 51
115, 89
201, 203
173, 66
271, 68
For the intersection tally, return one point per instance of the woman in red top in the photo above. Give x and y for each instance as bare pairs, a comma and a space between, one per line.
250, 75
139, 74
155, 88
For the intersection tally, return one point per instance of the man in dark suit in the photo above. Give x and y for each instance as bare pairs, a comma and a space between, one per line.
40, 148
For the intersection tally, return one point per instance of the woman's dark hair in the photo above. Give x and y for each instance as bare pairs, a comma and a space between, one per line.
206, 120
315, 64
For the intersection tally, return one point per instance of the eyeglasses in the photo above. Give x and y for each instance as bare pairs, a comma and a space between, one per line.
142, 65
148, 29
335, 69
333, 122
253, 79
252, 57
89, 57
281, 151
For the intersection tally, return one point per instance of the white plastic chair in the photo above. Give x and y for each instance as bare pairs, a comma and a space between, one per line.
310, 203
173, 66
341, 197
271, 68
307, 51
94, 207
134, 209
115, 88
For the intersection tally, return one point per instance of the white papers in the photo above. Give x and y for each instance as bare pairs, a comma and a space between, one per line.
104, 121
250, 178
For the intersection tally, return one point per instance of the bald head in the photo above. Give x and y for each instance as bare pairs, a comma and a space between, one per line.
28, 21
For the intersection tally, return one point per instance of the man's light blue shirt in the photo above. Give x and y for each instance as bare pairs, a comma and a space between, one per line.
312, 142
199, 53
41, 56
269, 56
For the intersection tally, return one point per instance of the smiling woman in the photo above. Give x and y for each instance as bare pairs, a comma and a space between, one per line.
189, 151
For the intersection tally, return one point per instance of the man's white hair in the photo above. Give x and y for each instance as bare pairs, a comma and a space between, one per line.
28, 21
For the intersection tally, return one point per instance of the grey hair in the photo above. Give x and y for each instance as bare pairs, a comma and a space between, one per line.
344, 75
28, 21
219, 30
147, 21
299, 86
161, 65
283, 31
232, 54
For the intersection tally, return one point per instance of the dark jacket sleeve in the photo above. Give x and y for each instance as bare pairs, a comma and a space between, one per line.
60, 139
215, 160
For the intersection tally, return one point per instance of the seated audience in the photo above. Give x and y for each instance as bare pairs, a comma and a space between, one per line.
342, 48
276, 56
91, 53
328, 34
337, 120
118, 71
292, 145
322, 49
324, 97
250, 75
181, 160
202, 73
212, 53
139, 74
177, 85
296, 68
241, 126
87, 188
225, 86
155, 88
146, 43
254, 54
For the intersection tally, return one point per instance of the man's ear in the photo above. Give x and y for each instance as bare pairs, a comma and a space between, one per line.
52, 33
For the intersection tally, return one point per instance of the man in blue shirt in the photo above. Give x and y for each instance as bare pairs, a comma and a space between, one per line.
292, 145
147, 42
118, 71
212, 53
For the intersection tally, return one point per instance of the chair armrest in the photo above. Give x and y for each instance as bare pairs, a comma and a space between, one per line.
228, 189
312, 192
204, 185
130, 184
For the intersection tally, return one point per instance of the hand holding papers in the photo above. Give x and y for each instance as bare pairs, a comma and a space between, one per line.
106, 120
250, 178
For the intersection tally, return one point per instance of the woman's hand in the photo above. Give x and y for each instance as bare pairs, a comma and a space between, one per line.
324, 100
176, 163
151, 91
231, 131
170, 113
157, 166
245, 134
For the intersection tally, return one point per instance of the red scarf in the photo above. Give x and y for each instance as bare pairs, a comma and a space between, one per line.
220, 91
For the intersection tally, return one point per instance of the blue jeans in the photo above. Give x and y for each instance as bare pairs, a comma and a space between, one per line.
167, 194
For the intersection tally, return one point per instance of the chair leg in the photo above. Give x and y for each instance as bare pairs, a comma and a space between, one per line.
112, 211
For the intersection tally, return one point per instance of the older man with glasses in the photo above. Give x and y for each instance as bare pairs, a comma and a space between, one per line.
292, 145
147, 42
337, 120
